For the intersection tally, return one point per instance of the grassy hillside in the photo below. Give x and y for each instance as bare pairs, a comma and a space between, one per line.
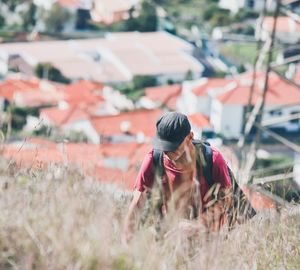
59, 219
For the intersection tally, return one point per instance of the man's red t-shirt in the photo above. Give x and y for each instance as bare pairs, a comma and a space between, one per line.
145, 178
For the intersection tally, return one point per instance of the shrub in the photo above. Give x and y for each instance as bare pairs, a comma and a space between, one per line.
47, 70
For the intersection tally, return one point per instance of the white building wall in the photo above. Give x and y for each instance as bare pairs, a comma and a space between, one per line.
284, 111
188, 101
2, 102
232, 121
3, 62
235, 5
85, 127
216, 115
232, 5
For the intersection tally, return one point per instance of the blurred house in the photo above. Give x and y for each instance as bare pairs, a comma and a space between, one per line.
117, 58
200, 125
224, 102
196, 96
133, 126
287, 29
282, 99
114, 164
160, 97
257, 5
77, 10
111, 11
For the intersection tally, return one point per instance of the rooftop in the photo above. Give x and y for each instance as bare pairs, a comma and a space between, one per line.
116, 58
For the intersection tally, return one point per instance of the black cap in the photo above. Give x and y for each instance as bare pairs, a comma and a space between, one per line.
171, 130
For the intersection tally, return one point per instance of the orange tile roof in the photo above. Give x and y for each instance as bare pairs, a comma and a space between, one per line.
109, 175
210, 84
279, 92
84, 85
165, 95
83, 92
284, 24
32, 158
199, 120
118, 149
60, 117
9, 87
38, 98
35, 152
139, 120
69, 3
38, 152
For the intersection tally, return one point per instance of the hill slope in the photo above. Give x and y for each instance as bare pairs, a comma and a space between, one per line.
59, 219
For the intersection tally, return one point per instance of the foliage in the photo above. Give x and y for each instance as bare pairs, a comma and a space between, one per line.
57, 218
2, 21
12, 4
188, 76
147, 20
47, 70
19, 115
29, 17
135, 89
244, 14
82, 19
244, 30
56, 18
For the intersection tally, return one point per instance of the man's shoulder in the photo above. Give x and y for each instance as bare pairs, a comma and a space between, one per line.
216, 155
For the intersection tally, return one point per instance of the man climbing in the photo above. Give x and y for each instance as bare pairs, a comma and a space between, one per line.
176, 165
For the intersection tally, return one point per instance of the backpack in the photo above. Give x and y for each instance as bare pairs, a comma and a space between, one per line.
241, 207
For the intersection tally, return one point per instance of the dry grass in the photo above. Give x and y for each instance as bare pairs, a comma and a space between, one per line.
59, 219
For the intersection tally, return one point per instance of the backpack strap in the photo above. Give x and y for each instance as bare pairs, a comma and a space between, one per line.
158, 162
206, 159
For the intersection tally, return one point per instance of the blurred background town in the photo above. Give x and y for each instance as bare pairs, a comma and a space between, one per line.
82, 83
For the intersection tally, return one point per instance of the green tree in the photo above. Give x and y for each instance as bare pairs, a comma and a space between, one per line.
29, 17
56, 18
144, 81
47, 70
83, 19
2, 21
136, 88
12, 4
189, 76
147, 21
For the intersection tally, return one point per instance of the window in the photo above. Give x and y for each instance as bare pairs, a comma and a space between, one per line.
294, 121
250, 3
275, 113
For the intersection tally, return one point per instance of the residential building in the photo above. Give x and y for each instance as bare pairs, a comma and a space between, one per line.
111, 164
228, 109
287, 29
112, 11
138, 126
197, 95
117, 58
160, 97
257, 5
200, 125
73, 7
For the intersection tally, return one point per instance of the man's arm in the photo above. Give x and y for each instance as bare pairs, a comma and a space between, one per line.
134, 207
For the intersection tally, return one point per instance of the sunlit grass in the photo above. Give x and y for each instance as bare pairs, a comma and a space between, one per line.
60, 219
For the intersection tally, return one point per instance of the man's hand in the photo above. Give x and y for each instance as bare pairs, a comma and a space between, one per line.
129, 219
